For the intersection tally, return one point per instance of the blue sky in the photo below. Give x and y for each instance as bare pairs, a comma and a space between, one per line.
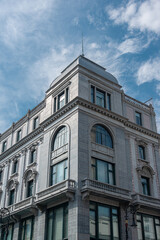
38, 39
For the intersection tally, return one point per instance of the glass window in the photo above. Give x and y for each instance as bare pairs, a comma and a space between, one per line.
61, 138
55, 104
103, 171
19, 135
141, 150
61, 100
102, 136
11, 196
104, 222
67, 95
108, 101
33, 156
145, 186
4, 146
15, 166
59, 172
57, 223
26, 229
1, 172
100, 98
92, 94
138, 118
3, 232
30, 188
35, 123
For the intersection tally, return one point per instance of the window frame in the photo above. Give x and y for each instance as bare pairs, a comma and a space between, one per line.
56, 102
107, 97
29, 194
36, 122
15, 166
2, 233
19, 135
145, 186
142, 152
65, 171
20, 237
33, 156
111, 208
138, 118
11, 197
4, 146
59, 134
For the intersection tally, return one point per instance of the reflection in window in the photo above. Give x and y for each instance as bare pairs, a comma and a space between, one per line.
19, 135
148, 226
145, 186
103, 171
35, 123
57, 223
100, 98
3, 232
138, 118
4, 146
59, 172
61, 100
103, 222
102, 136
141, 150
61, 138
26, 229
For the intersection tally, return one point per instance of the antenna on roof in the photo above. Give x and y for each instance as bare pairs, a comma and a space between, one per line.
82, 45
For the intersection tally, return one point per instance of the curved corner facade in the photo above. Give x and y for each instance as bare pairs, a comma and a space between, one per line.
83, 164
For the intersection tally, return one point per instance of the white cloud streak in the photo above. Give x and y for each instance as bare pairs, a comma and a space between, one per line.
141, 15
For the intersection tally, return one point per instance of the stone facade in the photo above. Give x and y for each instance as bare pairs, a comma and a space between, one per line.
83, 164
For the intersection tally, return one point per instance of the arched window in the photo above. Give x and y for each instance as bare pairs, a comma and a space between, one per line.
60, 139
102, 136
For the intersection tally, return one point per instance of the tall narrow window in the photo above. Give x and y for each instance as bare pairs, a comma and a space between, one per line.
11, 197
15, 167
26, 229
92, 94
10, 229
138, 118
141, 150
57, 223
67, 94
55, 104
61, 138
100, 98
145, 186
104, 222
30, 188
33, 156
1, 172
103, 171
35, 123
61, 100
59, 172
4, 146
108, 101
19, 135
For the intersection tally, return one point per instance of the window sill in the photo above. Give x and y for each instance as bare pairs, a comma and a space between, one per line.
143, 160
32, 164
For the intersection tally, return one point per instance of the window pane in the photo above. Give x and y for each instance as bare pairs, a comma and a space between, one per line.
50, 224
139, 230
103, 137
65, 223
58, 224
158, 232
61, 100
138, 118
102, 171
104, 223
141, 152
92, 94
28, 229
61, 138
60, 172
145, 185
100, 98
92, 224
108, 101
148, 228
115, 227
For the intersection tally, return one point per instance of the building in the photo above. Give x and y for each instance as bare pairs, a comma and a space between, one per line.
82, 163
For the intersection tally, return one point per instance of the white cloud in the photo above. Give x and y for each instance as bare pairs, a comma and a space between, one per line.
142, 15
149, 71
90, 19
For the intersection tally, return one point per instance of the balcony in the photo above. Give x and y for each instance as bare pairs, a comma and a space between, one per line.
96, 188
25, 206
65, 190
146, 201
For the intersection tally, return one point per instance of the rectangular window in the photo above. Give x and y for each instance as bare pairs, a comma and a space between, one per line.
138, 118
145, 186
57, 223
61, 100
33, 156
26, 229
108, 101
11, 196
141, 150
59, 172
1, 172
103, 171
15, 167
30, 188
148, 227
55, 104
10, 232
19, 135
92, 94
100, 98
67, 95
4, 146
104, 222
35, 123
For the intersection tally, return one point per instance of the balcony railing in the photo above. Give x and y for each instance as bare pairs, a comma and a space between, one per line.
146, 200
136, 102
104, 188
65, 186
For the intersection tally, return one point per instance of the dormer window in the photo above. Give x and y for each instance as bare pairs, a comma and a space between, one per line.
4, 146
98, 97
138, 118
61, 99
19, 135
